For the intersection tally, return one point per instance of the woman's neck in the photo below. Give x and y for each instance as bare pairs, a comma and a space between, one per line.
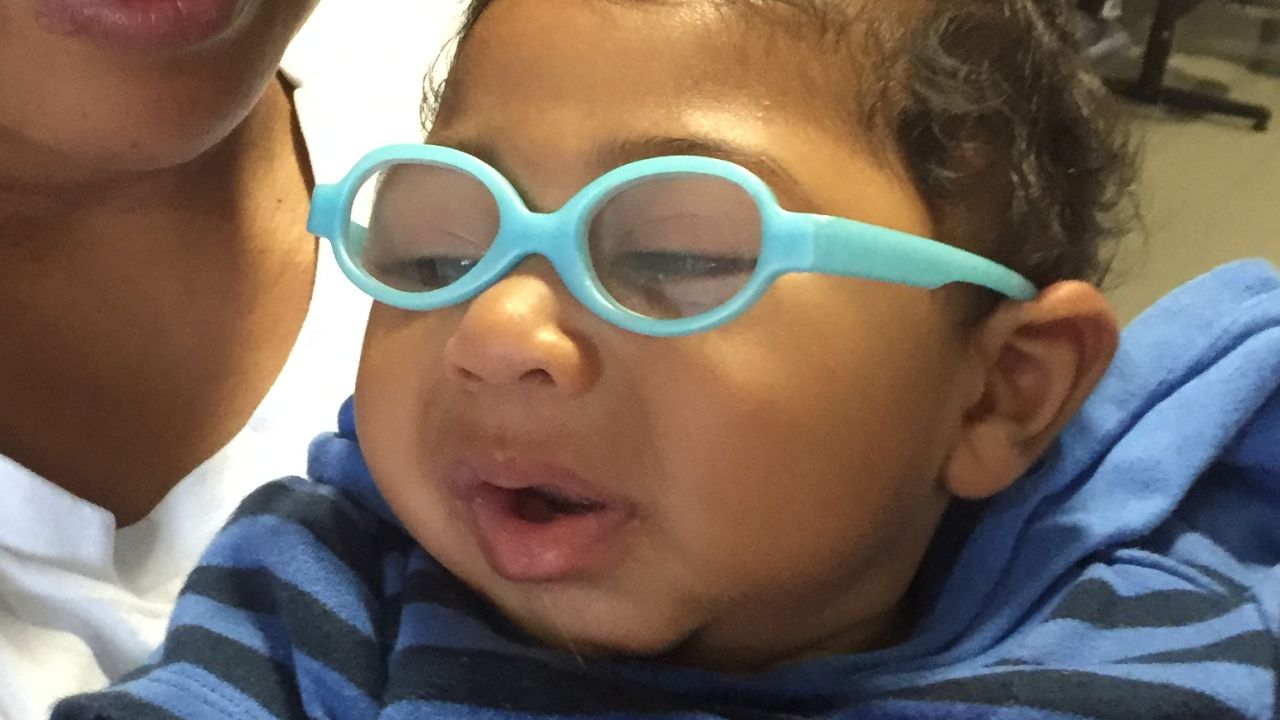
146, 317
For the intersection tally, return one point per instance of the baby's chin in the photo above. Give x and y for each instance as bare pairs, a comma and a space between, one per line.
650, 629
615, 631
687, 649
622, 616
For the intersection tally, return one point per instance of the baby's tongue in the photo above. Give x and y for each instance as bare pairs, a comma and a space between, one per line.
537, 505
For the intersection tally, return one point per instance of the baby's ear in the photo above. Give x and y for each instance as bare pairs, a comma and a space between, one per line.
1038, 361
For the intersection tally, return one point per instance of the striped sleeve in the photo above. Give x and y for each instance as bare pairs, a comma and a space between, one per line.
281, 620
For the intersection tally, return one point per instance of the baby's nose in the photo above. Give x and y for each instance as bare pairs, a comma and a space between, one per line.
516, 334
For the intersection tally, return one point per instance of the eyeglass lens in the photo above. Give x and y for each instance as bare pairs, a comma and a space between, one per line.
664, 246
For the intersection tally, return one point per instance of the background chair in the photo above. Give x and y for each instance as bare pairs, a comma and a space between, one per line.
1150, 87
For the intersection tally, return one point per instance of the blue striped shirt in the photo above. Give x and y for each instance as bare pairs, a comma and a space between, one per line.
1135, 573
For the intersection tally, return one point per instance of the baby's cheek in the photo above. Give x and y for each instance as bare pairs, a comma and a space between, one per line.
402, 360
393, 402
775, 534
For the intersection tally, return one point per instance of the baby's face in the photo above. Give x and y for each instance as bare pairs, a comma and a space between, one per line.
733, 499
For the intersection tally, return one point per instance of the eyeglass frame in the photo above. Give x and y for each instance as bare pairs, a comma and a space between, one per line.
790, 242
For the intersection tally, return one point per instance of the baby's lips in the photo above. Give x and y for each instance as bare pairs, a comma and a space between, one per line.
512, 473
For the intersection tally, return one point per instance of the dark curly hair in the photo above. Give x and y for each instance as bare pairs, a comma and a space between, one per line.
973, 96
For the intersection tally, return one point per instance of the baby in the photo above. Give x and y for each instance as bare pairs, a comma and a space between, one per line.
713, 338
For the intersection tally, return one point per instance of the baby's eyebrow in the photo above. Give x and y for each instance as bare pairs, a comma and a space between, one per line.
476, 148
616, 153
621, 152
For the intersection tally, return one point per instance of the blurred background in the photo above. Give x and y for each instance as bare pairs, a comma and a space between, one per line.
1210, 184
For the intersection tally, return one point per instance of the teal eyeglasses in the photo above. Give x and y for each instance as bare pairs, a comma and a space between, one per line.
666, 246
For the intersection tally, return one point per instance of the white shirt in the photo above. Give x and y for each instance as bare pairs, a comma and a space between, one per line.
82, 601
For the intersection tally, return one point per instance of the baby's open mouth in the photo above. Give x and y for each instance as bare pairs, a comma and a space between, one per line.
539, 523
544, 504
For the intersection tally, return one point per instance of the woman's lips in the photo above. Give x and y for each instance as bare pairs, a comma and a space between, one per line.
537, 522
140, 24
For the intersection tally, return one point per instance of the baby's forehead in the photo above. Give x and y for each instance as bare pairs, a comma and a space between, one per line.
548, 83
829, 58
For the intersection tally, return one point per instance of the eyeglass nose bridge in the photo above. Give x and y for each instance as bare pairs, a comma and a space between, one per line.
523, 234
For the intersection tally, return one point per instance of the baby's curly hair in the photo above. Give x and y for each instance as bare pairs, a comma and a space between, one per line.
1017, 148
999, 89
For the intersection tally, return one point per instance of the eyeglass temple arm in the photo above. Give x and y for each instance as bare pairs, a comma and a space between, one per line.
852, 248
